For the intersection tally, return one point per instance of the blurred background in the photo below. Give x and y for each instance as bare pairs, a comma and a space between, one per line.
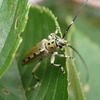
85, 38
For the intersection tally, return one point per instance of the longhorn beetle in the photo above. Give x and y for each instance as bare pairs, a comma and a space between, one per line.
50, 46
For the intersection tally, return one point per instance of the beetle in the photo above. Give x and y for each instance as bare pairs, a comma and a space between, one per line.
47, 47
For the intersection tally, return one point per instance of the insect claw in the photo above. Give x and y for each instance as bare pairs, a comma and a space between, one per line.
70, 57
38, 84
57, 29
63, 72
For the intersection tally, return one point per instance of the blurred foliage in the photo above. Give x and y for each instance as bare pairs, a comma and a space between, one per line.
12, 24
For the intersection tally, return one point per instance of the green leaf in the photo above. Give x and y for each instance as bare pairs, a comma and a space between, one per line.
74, 78
10, 84
13, 18
53, 83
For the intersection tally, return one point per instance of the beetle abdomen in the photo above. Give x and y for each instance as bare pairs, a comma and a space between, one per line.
29, 59
35, 53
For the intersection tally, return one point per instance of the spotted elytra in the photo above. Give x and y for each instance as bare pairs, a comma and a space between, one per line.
50, 46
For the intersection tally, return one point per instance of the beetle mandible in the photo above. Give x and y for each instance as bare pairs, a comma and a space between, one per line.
50, 46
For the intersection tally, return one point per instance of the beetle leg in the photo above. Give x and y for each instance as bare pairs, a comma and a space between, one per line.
33, 72
65, 56
57, 65
57, 29
54, 34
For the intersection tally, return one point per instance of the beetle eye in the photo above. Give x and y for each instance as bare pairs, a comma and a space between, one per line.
60, 46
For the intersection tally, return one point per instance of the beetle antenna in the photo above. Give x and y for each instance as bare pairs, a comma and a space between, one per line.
74, 19
82, 61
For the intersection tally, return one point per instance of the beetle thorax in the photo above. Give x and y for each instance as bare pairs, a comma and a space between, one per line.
51, 45
55, 43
